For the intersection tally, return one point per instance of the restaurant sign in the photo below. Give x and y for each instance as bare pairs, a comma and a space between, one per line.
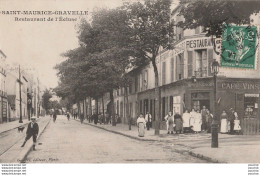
195, 43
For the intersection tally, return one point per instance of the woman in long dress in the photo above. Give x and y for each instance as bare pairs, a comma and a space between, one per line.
192, 119
237, 127
186, 121
178, 122
224, 122
170, 124
141, 125
197, 122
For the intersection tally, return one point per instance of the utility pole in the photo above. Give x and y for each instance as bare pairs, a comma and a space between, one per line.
20, 94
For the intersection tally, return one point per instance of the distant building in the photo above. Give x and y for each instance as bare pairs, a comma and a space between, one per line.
3, 95
13, 91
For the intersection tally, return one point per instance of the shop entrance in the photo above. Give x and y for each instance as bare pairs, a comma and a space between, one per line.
198, 104
250, 121
200, 99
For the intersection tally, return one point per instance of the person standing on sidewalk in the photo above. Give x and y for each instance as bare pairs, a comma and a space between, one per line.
209, 118
68, 116
224, 122
186, 121
148, 120
232, 119
203, 114
54, 116
178, 123
141, 125
32, 131
167, 121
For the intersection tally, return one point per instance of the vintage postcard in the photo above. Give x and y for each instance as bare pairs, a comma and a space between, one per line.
129, 81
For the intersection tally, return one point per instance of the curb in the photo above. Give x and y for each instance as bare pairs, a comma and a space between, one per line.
23, 157
205, 157
14, 128
200, 156
116, 132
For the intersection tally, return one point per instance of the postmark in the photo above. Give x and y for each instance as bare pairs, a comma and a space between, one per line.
239, 47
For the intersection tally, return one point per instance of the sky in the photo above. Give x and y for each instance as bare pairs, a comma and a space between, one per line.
39, 44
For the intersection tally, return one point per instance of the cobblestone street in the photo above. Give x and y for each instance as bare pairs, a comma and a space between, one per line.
71, 142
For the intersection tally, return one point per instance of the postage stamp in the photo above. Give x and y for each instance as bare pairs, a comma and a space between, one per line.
239, 47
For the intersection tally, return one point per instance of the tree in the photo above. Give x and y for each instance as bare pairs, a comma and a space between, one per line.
47, 95
151, 28
98, 64
213, 14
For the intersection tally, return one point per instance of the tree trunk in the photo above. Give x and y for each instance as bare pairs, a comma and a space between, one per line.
78, 104
90, 106
84, 108
103, 108
157, 100
96, 105
127, 108
112, 108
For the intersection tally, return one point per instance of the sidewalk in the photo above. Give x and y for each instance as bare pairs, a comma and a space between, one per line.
232, 148
11, 125
15, 153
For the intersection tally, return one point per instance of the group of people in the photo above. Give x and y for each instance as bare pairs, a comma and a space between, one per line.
104, 119
194, 121
230, 123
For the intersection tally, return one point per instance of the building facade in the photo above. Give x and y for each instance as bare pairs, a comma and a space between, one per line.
3, 95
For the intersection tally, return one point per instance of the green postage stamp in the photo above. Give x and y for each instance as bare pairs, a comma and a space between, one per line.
239, 47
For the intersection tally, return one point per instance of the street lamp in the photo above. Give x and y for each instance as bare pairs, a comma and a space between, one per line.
215, 123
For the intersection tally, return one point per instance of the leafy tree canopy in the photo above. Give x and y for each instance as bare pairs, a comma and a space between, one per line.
212, 14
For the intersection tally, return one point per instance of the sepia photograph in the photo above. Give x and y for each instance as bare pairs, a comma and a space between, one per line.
129, 82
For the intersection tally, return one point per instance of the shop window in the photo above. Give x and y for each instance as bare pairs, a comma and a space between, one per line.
163, 109
151, 108
177, 104
251, 105
141, 107
171, 103
200, 99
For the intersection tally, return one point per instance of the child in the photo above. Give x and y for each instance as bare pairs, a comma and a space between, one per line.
32, 131
237, 127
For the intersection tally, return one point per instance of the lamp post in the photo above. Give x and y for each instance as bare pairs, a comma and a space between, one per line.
215, 123
20, 96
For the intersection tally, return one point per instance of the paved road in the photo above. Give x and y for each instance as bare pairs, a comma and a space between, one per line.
12, 137
71, 142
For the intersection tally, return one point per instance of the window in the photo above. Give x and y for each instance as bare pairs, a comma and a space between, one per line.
201, 63
145, 79
190, 65
163, 73
140, 82
179, 67
172, 69
136, 83
210, 60
251, 105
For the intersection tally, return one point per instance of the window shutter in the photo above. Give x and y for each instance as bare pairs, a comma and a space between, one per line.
172, 69
210, 60
190, 65
182, 65
163, 73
